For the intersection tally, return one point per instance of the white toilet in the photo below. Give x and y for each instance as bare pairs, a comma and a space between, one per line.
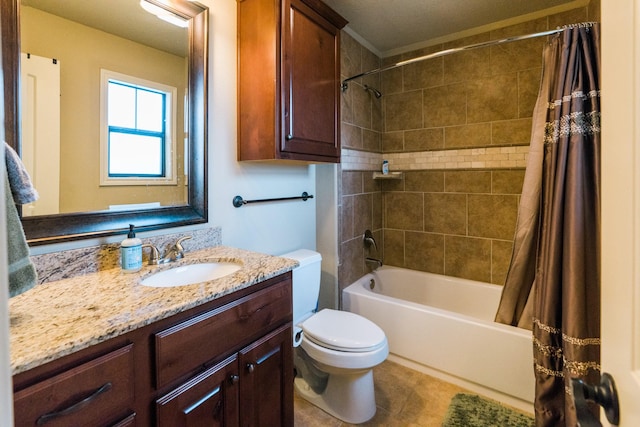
335, 350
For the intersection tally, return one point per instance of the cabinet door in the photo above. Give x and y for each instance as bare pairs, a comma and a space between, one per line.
310, 84
209, 399
266, 380
95, 393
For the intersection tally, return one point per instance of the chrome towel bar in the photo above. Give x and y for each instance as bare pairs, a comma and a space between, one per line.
239, 201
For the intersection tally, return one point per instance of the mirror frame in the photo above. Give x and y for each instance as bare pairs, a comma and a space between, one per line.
46, 229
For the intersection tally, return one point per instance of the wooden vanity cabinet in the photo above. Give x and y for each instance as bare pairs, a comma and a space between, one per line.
228, 362
254, 379
98, 392
288, 80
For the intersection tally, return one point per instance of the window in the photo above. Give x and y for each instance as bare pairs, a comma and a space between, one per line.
137, 136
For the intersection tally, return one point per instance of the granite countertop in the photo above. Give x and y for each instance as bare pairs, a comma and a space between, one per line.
58, 318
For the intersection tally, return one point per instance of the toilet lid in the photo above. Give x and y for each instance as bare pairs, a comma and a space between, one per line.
342, 330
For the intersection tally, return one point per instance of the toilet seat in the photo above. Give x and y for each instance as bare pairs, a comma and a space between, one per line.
328, 360
343, 331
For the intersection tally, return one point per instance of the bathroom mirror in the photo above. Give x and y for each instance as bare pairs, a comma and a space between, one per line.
141, 202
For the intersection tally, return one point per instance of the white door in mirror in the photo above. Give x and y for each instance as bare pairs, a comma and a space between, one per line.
191, 274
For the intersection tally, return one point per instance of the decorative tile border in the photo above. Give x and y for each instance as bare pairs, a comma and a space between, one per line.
470, 158
360, 160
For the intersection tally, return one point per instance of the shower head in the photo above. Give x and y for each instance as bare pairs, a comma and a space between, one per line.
373, 90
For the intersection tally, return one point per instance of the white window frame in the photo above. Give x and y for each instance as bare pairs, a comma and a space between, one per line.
171, 177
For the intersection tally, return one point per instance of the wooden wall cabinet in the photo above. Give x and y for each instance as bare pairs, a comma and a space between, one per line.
288, 80
228, 362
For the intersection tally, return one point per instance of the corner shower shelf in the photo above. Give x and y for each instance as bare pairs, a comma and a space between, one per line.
390, 175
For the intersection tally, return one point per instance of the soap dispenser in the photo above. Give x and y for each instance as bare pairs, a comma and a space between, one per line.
131, 252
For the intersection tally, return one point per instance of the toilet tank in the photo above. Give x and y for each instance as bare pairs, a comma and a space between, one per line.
306, 283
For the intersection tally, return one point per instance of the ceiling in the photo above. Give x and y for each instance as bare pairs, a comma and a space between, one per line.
387, 27
124, 18
393, 26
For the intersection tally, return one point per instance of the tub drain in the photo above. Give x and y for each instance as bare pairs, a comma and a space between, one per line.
372, 284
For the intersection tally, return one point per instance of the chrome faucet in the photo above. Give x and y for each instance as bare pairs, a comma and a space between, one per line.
174, 253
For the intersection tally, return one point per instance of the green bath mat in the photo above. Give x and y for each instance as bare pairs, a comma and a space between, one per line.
469, 410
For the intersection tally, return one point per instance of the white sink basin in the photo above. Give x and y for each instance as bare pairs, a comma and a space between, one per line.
190, 274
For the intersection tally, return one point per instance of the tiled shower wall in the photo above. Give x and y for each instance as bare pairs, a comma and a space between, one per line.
458, 128
454, 222
360, 197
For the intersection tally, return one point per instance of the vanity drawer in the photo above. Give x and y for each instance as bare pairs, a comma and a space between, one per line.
187, 347
95, 393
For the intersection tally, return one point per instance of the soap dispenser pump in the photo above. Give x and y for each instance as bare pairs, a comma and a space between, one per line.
131, 252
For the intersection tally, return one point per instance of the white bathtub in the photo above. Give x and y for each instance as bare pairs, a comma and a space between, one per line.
444, 326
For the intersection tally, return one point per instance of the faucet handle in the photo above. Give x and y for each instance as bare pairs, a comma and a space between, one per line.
154, 255
369, 240
178, 246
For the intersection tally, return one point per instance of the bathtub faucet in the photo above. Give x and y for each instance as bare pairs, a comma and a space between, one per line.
369, 240
377, 262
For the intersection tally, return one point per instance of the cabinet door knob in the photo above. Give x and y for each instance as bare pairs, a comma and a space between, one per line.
251, 367
233, 379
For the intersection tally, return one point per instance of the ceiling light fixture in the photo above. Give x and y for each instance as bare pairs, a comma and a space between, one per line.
164, 14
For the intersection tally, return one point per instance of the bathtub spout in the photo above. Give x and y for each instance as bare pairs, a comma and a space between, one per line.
377, 262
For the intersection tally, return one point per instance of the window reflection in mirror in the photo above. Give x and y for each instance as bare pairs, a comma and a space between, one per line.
137, 132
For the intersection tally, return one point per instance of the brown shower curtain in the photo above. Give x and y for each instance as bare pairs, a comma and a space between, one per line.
553, 283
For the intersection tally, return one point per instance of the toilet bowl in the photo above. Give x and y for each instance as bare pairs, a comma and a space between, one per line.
335, 350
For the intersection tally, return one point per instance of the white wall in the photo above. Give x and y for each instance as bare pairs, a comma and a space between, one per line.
268, 227
327, 229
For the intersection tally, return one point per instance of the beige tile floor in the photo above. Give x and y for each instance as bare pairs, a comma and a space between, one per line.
404, 398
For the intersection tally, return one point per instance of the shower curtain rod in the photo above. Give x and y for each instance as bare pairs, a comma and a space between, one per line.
344, 84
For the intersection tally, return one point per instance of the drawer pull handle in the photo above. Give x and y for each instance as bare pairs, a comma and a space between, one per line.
75, 407
251, 367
